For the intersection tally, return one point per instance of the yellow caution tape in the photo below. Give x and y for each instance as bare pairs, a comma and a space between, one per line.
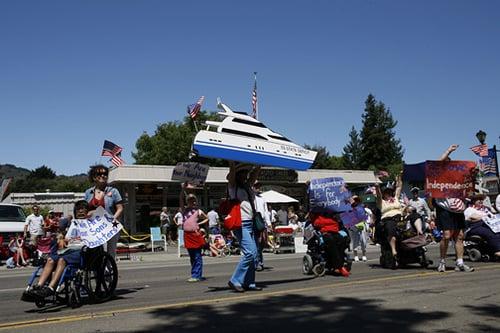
127, 235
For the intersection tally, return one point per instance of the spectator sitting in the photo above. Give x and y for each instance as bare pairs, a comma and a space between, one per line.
16, 247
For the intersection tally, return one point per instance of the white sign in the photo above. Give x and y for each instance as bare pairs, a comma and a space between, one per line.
195, 173
300, 247
98, 229
493, 223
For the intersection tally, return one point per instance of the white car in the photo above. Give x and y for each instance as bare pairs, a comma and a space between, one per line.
12, 220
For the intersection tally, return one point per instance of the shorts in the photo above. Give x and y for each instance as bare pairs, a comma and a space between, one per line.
72, 257
446, 220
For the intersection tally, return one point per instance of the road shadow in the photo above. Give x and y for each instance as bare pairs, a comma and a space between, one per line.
293, 313
489, 317
263, 284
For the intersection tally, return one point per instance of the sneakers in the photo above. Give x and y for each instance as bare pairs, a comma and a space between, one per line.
236, 288
442, 267
364, 258
43, 292
344, 272
356, 258
463, 268
193, 280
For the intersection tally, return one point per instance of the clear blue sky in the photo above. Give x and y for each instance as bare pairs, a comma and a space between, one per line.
73, 73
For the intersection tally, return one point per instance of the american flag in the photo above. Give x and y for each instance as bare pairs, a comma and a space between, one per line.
117, 160
254, 97
194, 109
4, 187
488, 163
480, 150
110, 149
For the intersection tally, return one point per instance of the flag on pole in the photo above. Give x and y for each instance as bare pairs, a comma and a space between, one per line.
488, 163
254, 97
117, 160
4, 187
480, 150
110, 149
194, 109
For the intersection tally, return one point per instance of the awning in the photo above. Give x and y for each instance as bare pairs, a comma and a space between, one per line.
276, 197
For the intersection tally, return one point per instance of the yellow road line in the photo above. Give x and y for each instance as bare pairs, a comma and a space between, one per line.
110, 313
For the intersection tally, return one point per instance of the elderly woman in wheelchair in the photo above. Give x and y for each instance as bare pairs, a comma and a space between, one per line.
73, 270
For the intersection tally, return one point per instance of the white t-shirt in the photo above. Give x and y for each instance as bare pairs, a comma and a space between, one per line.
242, 196
213, 218
274, 214
261, 207
35, 224
179, 219
497, 203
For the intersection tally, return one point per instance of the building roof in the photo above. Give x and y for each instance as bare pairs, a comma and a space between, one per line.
163, 174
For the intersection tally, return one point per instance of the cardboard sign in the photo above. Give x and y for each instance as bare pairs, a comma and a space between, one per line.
329, 195
191, 172
449, 179
493, 223
353, 217
98, 229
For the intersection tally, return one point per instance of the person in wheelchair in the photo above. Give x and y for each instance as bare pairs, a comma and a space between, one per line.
66, 251
391, 209
335, 239
474, 216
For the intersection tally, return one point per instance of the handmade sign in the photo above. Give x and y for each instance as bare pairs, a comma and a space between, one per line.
354, 216
449, 179
98, 229
493, 223
191, 172
329, 195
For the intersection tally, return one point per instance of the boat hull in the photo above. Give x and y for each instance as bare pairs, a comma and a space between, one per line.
236, 148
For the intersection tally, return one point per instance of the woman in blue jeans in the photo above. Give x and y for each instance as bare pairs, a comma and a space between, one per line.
241, 177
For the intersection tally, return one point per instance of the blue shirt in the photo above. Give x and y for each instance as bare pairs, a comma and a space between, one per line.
111, 198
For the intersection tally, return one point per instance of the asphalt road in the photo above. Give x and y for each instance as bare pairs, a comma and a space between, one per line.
155, 297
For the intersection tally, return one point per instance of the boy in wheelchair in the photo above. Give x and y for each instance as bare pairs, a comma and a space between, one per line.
65, 251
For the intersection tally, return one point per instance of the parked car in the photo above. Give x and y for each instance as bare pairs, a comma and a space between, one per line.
12, 220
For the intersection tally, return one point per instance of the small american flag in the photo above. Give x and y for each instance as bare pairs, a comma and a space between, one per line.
480, 150
110, 149
117, 160
488, 163
194, 109
254, 97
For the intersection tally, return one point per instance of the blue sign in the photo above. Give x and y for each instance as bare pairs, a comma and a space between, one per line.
354, 216
329, 195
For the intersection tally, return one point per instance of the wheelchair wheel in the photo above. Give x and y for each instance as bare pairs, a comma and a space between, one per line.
40, 303
307, 265
101, 279
474, 255
319, 270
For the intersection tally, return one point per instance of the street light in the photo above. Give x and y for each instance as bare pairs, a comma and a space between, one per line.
481, 136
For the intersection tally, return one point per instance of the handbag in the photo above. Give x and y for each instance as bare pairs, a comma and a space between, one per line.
191, 224
414, 242
258, 220
233, 219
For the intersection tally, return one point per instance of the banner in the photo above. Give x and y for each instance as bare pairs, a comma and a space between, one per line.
449, 179
329, 195
493, 223
191, 172
98, 229
353, 217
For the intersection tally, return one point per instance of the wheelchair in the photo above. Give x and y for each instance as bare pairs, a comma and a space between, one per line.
94, 280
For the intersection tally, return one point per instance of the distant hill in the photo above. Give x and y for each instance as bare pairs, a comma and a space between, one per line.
10, 170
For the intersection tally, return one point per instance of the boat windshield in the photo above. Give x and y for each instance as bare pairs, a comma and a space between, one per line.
248, 122
247, 134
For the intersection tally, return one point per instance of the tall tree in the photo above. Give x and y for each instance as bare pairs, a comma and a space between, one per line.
380, 149
324, 160
352, 151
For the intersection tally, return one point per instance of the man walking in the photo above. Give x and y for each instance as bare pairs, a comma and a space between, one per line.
34, 225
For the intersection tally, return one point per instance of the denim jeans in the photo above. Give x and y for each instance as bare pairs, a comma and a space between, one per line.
196, 263
244, 274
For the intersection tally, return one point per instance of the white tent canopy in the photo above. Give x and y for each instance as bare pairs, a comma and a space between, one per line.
276, 197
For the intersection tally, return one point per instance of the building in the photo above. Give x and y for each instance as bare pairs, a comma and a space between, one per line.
61, 202
147, 188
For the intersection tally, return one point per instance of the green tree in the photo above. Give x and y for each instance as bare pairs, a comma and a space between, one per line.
43, 172
324, 160
171, 143
352, 151
380, 149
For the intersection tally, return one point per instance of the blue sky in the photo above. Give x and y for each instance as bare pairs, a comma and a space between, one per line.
73, 73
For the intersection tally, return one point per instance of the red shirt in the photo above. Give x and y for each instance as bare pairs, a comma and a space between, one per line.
324, 224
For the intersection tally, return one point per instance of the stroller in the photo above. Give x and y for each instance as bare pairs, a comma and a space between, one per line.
315, 260
410, 246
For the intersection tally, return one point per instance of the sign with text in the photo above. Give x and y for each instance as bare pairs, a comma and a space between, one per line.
329, 195
493, 222
191, 172
98, 229
353, 217
449, 179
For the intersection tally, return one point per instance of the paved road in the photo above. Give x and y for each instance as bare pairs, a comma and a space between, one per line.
155, 297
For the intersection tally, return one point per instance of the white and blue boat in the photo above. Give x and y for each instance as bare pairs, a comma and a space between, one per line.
239, 137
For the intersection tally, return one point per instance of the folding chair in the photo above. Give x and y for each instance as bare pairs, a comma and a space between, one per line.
156, 236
